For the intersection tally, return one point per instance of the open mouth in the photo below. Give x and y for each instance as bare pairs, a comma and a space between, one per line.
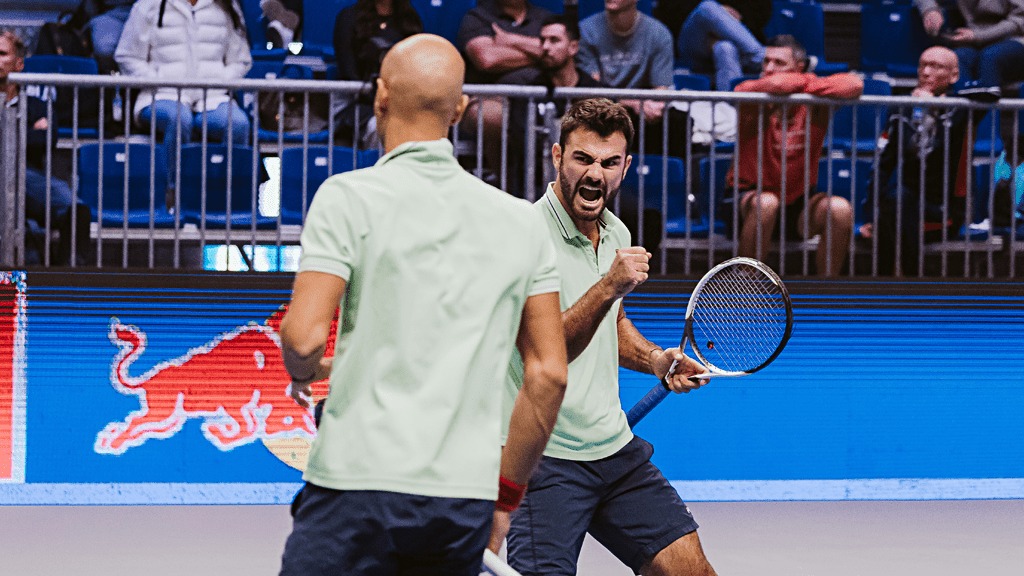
590, 194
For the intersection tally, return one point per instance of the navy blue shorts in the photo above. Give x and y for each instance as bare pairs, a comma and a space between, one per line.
357, 532
623, 501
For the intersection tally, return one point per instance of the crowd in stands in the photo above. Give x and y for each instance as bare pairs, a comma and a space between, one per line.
517, 42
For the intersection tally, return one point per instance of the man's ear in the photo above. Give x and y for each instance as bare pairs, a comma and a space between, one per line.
460, 109
556, 156
574, 48
380, 99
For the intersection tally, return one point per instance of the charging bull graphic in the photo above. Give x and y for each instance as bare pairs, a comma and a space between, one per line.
236, 384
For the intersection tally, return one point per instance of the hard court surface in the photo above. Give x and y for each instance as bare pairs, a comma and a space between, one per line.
923, 538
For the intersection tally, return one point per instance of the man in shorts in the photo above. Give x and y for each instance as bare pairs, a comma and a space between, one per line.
762, 173
596, 476
438, 276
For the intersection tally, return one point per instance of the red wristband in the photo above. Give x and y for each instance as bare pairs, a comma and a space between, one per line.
509, 495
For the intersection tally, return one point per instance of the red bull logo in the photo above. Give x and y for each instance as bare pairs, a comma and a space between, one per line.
236, 384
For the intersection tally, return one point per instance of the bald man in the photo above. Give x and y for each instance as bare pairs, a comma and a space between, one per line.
437, 275
921, 134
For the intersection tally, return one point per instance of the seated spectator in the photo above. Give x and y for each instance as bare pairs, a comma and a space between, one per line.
557, 68
187, 40
500, 40
625, 48
105, 30
990, 46
922, 134
760, 178
282, 18
363, 34
724, 39
12, 59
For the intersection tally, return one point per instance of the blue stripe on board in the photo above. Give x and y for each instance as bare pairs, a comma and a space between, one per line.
148, 493
866, 489
691, 491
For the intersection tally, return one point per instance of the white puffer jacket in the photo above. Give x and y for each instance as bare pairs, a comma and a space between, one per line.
195, 43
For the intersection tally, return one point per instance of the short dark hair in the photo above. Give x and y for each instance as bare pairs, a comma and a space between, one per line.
599, 115
788, 41
572, 26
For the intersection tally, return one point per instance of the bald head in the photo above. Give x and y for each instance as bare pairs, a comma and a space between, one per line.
421, 84
937, 69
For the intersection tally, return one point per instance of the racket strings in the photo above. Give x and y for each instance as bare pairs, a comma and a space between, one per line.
739, 319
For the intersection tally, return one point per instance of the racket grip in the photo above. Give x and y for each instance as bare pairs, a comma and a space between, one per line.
646, 404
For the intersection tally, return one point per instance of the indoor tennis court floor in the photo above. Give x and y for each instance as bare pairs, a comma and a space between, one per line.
921, 538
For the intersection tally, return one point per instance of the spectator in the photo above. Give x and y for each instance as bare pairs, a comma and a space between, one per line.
922, 134
282, 19
500, 41
990, 45
725, 39
672, 13
187, 40
12, 59
627, 49
557, 68
105, 29
363, 34
760, 177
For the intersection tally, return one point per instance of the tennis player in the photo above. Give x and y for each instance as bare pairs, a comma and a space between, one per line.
438, 276
595, 475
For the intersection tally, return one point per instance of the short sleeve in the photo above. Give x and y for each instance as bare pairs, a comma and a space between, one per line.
332, 237
545, 278
474, 25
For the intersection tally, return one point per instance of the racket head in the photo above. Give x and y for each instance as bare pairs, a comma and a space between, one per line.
739, 317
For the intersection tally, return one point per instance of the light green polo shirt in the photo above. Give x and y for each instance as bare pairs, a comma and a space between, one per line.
438, 267
591, 424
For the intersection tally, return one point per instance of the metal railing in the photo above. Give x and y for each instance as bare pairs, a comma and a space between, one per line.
694, 233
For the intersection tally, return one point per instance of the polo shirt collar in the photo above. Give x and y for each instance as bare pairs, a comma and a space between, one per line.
565, 223
427, 151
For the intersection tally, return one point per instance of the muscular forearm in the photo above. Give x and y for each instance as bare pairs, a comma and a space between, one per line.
533, 419
634, 350
528, 45
582, 318
302, 351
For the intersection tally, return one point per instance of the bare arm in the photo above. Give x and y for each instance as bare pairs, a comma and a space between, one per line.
487, 55
529, 45
533, 417
640, 354
581, 320
653, 109
836, 86
306, 327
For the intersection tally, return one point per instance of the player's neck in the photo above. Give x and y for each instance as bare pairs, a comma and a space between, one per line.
398, 131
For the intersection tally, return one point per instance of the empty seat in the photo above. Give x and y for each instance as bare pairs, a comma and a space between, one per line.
116, 200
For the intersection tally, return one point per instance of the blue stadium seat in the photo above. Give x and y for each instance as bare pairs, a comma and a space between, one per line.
713, 198
691, 81
804, 20
888, 19
443, 17
984, 143
842, 123
255, 26
321, 162
51, 64
587, 8
318, 25
242, 179
142, 194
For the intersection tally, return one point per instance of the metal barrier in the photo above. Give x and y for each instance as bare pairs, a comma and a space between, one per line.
155, 229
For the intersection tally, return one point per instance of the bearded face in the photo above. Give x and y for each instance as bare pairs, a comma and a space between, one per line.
590, 172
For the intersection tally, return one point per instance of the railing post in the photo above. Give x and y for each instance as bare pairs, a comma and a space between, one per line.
8, 174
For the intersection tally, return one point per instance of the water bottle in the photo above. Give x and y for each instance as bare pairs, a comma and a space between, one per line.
117, 106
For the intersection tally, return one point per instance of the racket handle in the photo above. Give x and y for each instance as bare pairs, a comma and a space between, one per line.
646, 404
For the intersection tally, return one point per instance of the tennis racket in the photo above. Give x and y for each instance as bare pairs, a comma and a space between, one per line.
738, 320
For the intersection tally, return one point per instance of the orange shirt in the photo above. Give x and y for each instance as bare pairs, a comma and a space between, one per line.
835, 86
